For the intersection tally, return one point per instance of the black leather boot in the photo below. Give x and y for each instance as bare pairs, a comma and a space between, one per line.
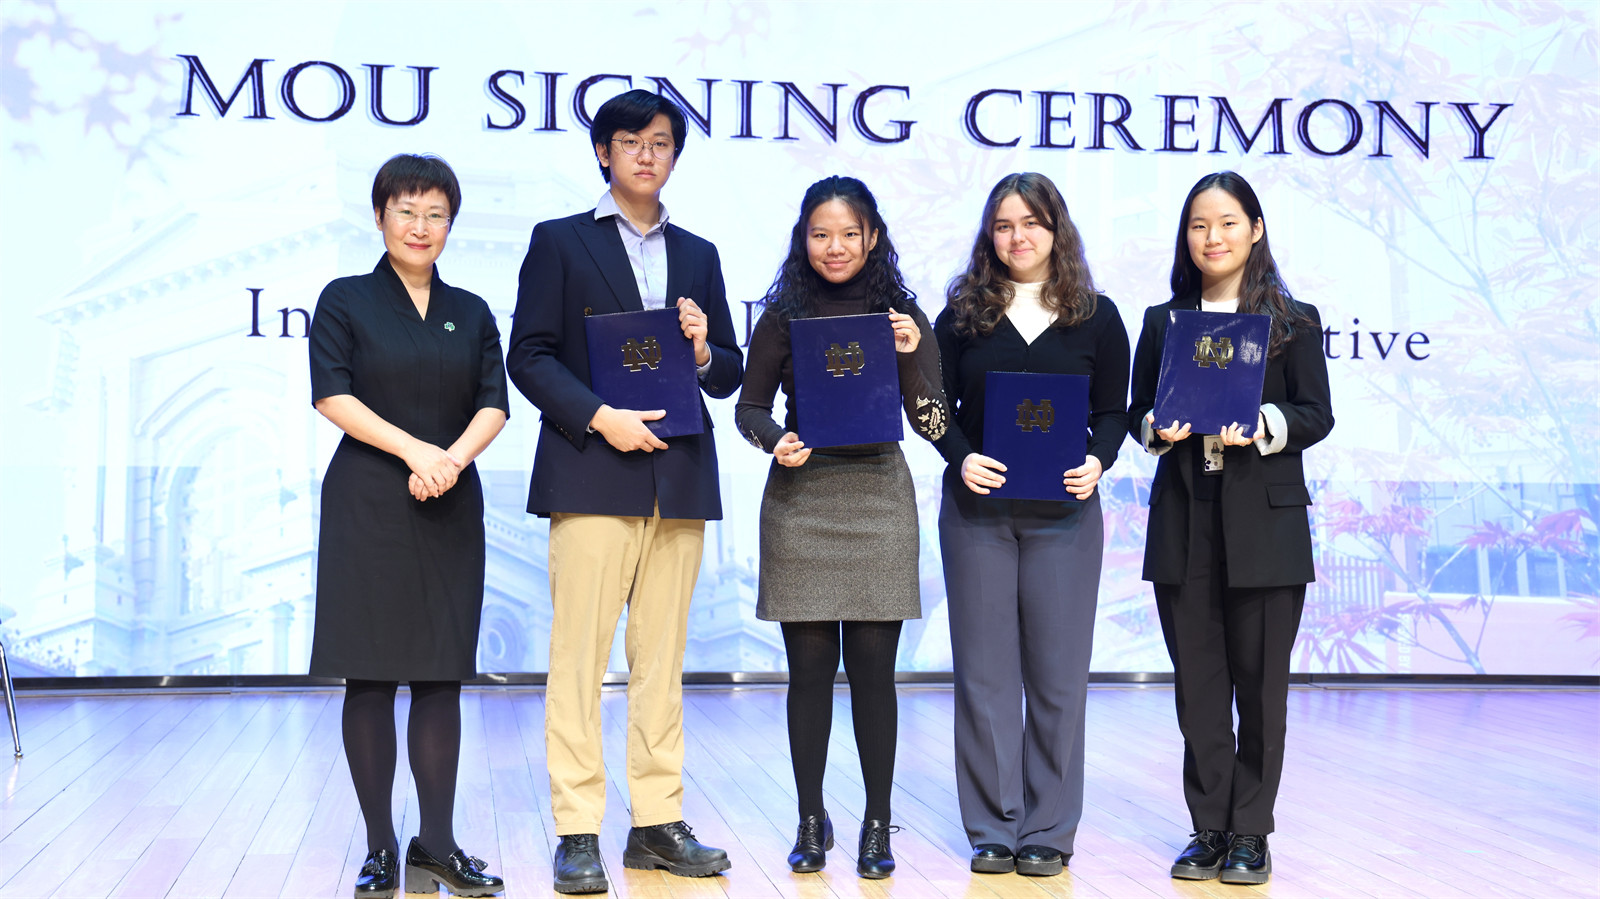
812, 841
1248, 860
875, 861
672, 846
577, 864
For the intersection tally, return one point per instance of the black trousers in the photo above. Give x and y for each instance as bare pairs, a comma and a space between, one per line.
1230, 648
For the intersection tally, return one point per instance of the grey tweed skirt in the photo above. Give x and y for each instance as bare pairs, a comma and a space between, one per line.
839, 539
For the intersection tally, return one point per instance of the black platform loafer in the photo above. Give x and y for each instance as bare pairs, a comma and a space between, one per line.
578, 866
874, 861
462, 874
672, 846
811, 844
1040, 861
992, 858
379, 877
1202, 858
1248, 860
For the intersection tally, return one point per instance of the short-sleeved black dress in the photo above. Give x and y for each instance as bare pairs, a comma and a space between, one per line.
400, 582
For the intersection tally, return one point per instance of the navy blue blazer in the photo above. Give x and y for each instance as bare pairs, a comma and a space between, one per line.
577, 266
1266, 530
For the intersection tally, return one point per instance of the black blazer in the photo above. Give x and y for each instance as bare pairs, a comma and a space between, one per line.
577, 266
1266, 529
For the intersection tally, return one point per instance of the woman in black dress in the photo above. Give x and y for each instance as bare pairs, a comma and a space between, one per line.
411, 370
839, 536
1228, 549
1023, 576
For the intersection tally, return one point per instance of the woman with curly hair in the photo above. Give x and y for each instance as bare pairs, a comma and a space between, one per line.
1023, 575
839, 534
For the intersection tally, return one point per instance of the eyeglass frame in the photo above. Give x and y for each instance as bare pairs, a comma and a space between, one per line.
427, 218
671, 151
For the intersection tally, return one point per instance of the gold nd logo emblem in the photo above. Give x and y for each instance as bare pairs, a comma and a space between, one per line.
846, 359
637, 355
1220, 352
1030, 416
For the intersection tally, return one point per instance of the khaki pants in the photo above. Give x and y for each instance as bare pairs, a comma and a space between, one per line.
598, 565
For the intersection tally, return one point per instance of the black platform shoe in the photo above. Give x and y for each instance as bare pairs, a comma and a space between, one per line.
379, 877
461, 873
672, 846
1248, 860
874, 861
1202, 858
577, 865
812, 841
992, 858
1040, 861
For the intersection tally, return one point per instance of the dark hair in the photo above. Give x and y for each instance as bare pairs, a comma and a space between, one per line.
634, 111
978, 297
411, 174
794, 292
1262, 289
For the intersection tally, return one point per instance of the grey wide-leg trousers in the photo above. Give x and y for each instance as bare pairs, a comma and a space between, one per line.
1023, 579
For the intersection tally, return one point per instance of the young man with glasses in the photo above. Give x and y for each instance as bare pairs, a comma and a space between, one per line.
627, 509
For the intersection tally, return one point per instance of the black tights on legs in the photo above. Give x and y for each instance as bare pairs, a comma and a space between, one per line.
868, 649
433, 740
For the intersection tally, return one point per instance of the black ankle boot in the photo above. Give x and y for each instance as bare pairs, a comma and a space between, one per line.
812, 841
875, 861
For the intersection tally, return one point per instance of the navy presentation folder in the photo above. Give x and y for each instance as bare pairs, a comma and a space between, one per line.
641, 360
846, 380
1212, 368
1037, 425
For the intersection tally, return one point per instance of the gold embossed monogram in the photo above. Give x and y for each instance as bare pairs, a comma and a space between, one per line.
1038, 416
846, 359
1220, 352
638, 355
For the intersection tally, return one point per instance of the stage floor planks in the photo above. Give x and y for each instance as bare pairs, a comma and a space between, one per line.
1387, 792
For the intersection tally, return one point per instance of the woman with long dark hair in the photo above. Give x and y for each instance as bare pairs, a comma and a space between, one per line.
839, 536
1023, 576
1228, 549
400, 552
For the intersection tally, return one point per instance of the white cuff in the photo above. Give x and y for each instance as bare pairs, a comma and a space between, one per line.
1149, 438
700, 370
1277, 429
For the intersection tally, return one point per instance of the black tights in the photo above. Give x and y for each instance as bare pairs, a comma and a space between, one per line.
433, 741
869, 649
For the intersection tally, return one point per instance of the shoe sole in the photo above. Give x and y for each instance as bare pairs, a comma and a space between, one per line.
582, 886
874, 875
421, 882
1039, 869
653, 862
993, 865
1235, 875
1195, 872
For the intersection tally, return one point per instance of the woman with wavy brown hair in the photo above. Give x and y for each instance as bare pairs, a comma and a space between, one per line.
1023, 576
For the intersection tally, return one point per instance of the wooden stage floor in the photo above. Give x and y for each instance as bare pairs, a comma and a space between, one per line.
1424, 792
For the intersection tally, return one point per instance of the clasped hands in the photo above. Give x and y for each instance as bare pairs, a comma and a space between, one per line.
982, 474
433, 470
1232, 435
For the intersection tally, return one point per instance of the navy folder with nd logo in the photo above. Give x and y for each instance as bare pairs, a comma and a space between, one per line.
641, 360
846, 380
1212, 368
1037, 425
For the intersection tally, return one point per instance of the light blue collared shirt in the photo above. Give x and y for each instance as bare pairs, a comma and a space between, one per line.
647, 252
647, 256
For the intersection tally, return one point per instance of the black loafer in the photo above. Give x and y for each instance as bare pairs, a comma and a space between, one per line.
812, 841
1248, 860
577, 864
874, 861
672, 846
463, 874
379, 877
992, 858
1202, 858
1040, 861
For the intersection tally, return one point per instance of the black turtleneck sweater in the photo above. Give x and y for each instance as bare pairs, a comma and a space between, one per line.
769, 365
